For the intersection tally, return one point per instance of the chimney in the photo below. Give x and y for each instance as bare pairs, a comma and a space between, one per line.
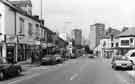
42, 21
36, 17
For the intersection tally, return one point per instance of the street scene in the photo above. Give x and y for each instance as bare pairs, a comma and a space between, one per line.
67, 42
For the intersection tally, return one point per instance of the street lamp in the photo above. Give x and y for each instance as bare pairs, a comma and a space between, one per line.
17, 43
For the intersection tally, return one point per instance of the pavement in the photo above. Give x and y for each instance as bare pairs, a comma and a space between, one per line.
77, 71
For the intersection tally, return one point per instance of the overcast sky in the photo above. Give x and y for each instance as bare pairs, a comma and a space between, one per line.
63, 15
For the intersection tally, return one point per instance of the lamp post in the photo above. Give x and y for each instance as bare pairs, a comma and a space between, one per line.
16, 49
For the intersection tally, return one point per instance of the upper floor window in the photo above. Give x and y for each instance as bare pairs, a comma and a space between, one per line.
124, 42
104, 44
117, 44
0, 21
21, 31
37, 29
112, 45
131, 40
30, 32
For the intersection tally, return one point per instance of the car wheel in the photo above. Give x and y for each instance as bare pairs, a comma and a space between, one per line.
1, 76
131, 68
19, 71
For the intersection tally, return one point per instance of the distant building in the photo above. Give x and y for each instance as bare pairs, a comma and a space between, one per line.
64, 36
96, 34
108, 43
25, 5
77, 36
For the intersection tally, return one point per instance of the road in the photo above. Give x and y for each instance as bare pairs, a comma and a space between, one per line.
78, 71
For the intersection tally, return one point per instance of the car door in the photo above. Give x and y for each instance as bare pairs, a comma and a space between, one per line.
12, 69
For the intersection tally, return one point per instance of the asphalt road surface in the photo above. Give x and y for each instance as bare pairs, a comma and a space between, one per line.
79, 71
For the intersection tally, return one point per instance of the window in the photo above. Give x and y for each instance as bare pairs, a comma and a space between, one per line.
0, 22
104, 44
133, 55
112, 37
37, 31
124, 42
21, 26
112, 44
117, 44
30, 32
131, 40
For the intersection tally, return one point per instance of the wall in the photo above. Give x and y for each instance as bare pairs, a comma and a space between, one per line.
9, 21
2, 19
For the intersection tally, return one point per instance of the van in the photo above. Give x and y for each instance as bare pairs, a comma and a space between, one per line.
131, 56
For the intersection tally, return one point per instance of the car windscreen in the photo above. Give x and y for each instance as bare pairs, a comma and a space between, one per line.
122, 58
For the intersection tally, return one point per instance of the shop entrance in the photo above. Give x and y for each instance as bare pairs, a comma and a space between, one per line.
10, 54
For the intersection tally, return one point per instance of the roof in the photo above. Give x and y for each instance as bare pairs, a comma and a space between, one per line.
16, 9
22, 3
128, 33
113, 32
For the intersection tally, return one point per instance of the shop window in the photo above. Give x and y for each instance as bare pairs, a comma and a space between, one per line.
124, 42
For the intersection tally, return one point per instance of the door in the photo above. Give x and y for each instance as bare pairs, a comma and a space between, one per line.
10, 54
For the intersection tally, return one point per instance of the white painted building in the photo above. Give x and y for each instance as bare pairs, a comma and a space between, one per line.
16, 26
125, 41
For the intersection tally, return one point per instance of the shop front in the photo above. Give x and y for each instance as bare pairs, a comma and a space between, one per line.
10, 52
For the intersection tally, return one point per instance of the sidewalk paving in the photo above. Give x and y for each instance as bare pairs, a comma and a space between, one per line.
132, 73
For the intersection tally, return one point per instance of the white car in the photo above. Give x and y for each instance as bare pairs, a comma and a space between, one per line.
122, 62
131, 56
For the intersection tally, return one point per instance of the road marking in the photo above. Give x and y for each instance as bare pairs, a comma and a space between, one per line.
73, 76
26, 78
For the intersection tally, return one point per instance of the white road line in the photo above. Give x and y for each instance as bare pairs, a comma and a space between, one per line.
73, 76
23, 79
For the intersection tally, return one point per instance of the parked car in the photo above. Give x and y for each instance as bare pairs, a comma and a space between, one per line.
91, 56
48, 59
8, 70
122, 62
58, 58
131, 56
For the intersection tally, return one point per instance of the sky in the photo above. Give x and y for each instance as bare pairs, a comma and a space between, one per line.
64, 15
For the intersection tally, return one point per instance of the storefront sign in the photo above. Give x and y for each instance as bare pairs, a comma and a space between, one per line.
10, 44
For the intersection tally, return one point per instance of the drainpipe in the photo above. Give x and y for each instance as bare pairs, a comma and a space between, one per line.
16, 46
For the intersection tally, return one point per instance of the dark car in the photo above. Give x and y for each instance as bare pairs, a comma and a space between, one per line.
8, 70
48, 59
91, 56
122, 62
